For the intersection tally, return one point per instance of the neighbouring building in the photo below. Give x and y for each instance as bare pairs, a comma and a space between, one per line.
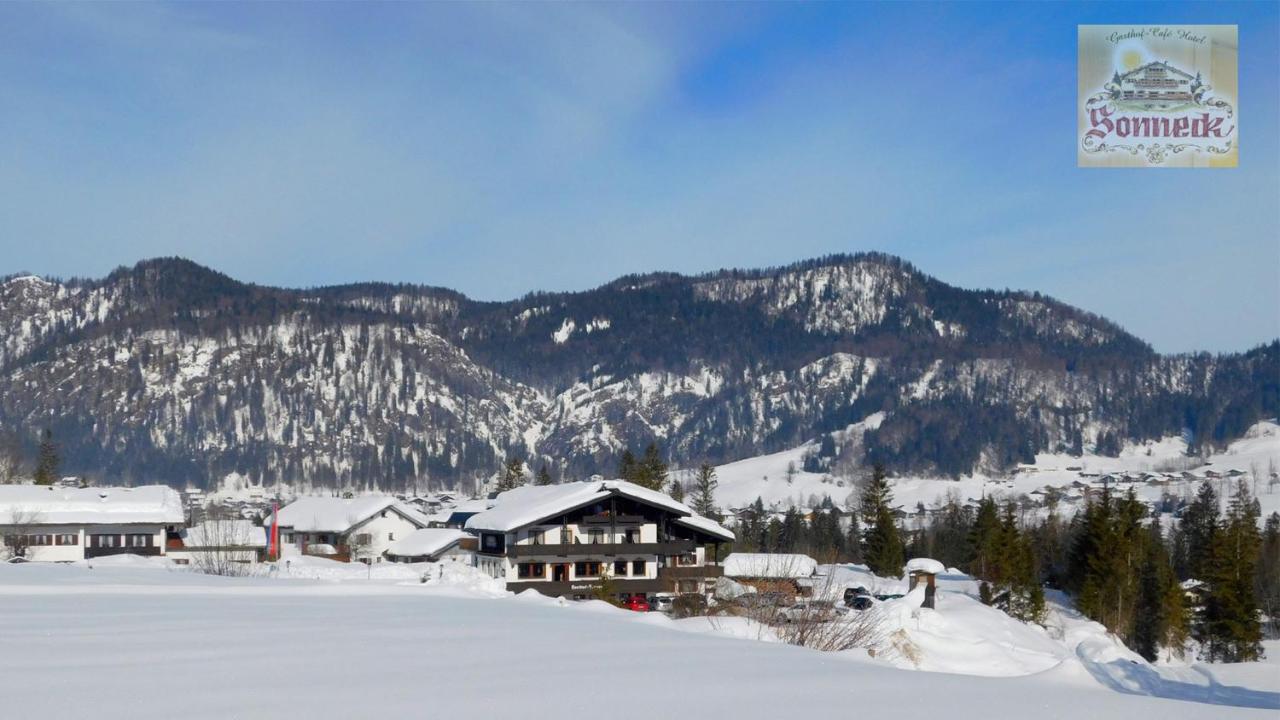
583, 538
63, 524
346, 529
434, 545
772, 572
220, 541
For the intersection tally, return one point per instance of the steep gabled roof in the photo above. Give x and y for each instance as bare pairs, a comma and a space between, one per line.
530, 504
339, 515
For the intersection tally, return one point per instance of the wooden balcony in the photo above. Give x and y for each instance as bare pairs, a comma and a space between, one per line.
670, 547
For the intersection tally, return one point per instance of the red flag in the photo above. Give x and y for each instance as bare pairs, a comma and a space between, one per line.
274, 549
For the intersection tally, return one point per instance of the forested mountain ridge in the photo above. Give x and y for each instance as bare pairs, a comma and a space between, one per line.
170, 371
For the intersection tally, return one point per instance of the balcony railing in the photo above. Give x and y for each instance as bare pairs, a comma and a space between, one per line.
670, 547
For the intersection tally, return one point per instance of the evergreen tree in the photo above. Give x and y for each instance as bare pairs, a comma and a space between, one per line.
1268, 575
1230, 628
853, 540
1199, 525
1160, 618
984, 541
47, 464
704, 491
881, 544
512, 475
544, 476
676, 490
628, 467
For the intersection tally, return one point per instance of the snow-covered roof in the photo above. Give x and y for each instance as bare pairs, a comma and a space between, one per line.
225, 533
706, 525
925, 565
427, 542
769, 565
528, 504
330, 514
46, 505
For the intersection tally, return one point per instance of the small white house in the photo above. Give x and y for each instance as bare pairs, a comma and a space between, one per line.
61, 524
359, 528
434, 545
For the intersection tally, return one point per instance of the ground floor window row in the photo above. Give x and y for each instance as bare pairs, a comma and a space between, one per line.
42, 539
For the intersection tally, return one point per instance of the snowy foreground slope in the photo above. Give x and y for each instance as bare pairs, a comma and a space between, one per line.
136, 640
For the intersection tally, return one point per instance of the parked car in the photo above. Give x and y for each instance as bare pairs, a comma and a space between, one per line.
662, 603
860, 603
815, 610
854, 592
636, 603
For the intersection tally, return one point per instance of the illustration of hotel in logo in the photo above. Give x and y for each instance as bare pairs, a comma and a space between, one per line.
1156, 86
1157, 110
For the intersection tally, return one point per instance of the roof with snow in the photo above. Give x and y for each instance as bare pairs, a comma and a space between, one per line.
706, 525
46, 505
530, 504
331, 514
769, 565
225, 533
427, 542
925, 565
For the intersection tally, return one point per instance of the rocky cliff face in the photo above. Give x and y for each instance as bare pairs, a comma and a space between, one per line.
169, 371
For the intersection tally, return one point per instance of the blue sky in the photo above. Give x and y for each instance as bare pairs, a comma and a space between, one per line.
498, 149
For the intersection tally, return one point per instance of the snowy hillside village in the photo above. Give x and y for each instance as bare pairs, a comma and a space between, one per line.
867, 573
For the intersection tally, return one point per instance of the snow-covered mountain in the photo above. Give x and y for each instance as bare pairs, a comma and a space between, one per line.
170, 371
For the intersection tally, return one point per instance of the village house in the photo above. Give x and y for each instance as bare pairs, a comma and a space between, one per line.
211, 541
583, 538
434, 545
791, 573
346, 529
64, 524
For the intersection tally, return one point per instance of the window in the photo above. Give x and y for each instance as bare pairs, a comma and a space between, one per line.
138, 540
364, 539
620, 567
586, 569
391, 536
493, 543
637, 568
596, 536
531, 571
288, 537
687, 559
566, 536
535, 537
104, 541
633, 535
67, 539
40, 540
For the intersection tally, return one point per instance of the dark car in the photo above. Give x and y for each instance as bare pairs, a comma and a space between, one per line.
860, 603
854, 592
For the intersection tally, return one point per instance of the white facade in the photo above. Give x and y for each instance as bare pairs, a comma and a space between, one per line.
59, 524
365, 527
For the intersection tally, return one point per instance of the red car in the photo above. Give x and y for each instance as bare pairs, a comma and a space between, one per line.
636, 603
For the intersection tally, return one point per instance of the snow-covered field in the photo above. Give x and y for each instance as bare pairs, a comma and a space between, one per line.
140, 639
766, 476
